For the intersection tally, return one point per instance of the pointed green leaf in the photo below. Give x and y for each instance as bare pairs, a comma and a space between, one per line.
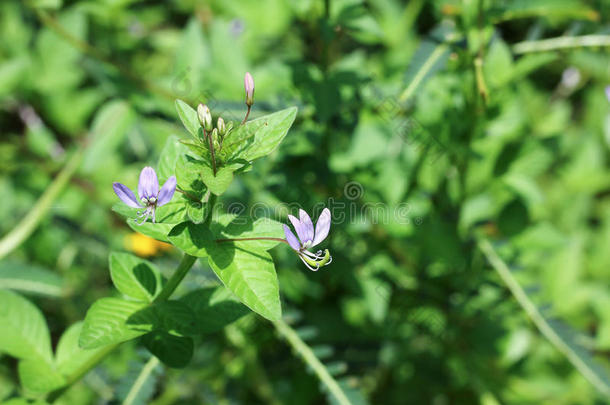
170, 154
69, 356
218, 183
24, 333
167, 217
106, 323
193, 239
188, 116
173, 351
250, 275
261, 136
170, 316
135, 277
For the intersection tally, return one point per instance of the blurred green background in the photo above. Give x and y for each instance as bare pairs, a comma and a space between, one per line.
467, 149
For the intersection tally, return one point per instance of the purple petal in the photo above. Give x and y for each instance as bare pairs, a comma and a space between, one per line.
167, 191
126, 195
297, 227
608, 93
322, 227
307, 226
291, 239
148, 185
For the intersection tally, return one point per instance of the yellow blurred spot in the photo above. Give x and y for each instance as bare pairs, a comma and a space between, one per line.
143, 245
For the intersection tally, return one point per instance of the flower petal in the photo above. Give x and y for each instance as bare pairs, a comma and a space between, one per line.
148, 186
291, 239
307, 226
126, 195
167, 191
298, 227
322, 227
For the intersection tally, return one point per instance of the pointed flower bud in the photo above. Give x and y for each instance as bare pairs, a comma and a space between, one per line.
205, 117
249, 87
222, 128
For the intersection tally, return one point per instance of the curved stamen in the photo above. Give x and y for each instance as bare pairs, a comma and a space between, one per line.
314, 256
307, 264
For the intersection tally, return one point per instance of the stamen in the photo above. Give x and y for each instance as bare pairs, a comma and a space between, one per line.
308, 265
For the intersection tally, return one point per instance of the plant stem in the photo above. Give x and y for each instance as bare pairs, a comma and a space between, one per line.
211, 141
247, 114
553, 44
211, 204
312, 361
28, 224
438, 52
81, 371
148, 368
538, 318
176, 278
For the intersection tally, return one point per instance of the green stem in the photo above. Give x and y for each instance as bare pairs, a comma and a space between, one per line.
553, 44
539, 320
211, 204
247, 239
28, 224
312, 361
176, 278
81, 371
139, 382
438, 52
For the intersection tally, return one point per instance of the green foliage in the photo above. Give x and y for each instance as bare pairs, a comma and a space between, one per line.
426, 127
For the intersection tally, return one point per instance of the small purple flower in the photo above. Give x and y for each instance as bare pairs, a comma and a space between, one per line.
148, 190
608, 93
308, 238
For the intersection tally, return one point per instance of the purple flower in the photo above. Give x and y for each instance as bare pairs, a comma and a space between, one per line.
249, 87
308, 238
608, 93
148, 190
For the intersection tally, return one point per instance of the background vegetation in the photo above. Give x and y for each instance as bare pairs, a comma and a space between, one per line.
468, 142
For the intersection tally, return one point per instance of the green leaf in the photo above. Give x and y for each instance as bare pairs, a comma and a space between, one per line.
30, 279
230, 226
39, 376
218, 183
24, 330
69, 356
106, 323
172, 151
173, 351
263, 135
135, 277
250, 275
193, 239
109, 128
188, 116
188, 175
196, 211
214, 308
170, 316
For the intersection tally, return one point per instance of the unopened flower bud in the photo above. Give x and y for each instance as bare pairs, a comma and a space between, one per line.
249, 87
222, 128
205, 117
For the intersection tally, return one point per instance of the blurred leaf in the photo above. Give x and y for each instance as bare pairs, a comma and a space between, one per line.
39, 376
138, 386
108, 130
69, 355
30, 279
24, 330
561, 9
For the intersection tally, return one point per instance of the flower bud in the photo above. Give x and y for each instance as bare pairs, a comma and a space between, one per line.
249, 87
222, 128
205, 117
